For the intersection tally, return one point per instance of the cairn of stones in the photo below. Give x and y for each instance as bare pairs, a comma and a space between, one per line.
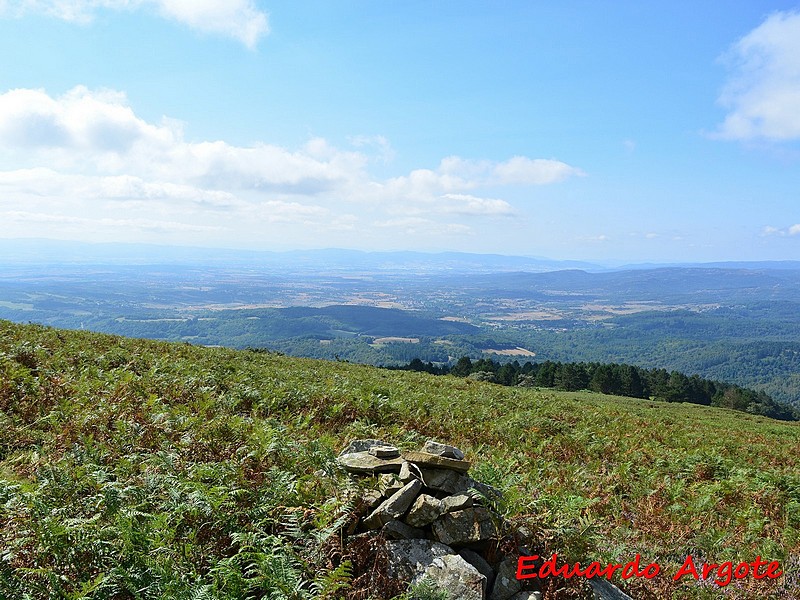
437, 522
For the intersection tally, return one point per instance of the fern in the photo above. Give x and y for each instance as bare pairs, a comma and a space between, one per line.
329, 583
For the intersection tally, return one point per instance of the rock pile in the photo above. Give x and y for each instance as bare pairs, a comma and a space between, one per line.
437, 522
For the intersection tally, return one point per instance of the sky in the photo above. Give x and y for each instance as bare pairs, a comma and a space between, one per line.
594, 130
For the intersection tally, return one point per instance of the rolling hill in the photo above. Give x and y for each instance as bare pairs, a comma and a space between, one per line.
141, 469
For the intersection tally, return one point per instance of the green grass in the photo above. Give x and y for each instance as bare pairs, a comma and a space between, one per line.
139, 469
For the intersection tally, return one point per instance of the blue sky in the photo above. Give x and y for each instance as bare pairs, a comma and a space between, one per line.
659, 131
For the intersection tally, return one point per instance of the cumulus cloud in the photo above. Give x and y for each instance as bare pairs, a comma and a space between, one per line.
763, 94
456, 175
238, 19
85, 157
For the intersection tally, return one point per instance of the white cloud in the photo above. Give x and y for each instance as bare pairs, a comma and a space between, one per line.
769, 230
87, 156
536, 171
516, 170
763, 95
426, 188
466, 204
239, 19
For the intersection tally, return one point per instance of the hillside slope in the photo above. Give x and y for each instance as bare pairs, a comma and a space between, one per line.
138, 469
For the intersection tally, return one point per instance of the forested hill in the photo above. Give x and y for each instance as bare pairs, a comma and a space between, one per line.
616, 379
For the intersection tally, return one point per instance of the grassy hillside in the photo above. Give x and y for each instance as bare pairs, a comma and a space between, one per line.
139, 469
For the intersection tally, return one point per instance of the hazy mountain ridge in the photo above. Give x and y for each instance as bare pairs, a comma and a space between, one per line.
725, 322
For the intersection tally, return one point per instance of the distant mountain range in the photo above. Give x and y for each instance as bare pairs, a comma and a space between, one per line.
43, 251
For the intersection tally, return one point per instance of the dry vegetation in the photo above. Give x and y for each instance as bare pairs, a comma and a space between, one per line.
137, 469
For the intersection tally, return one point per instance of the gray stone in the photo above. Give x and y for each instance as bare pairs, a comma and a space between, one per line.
465, 527
445, 450
362, 446
524, 595
506, 585
444, 480
389, 483
605, 590
395, 506
364, 462
477, 561
456, 577
409, 472
416, 561
457, 502
384, 451
425, 510
397, 530
423, 459
453, 483
371, 498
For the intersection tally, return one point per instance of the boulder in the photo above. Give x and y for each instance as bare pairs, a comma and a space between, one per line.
465, 527
444, 480
395, 506
477, 561
506, 585
457, 502
456, 577
416, 561
425, 510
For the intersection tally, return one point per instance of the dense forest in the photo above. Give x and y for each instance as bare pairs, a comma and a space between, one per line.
616, 379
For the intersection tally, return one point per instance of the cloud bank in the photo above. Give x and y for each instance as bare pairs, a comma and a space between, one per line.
85, 165
238, 19
763, 94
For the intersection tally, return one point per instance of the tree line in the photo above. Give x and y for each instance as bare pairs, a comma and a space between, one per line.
616, 379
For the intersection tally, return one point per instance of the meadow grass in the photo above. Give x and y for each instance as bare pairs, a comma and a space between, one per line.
137, 469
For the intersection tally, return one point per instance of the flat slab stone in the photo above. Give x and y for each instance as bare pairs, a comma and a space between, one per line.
384, 451
364, 462
445, 450
425, 459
